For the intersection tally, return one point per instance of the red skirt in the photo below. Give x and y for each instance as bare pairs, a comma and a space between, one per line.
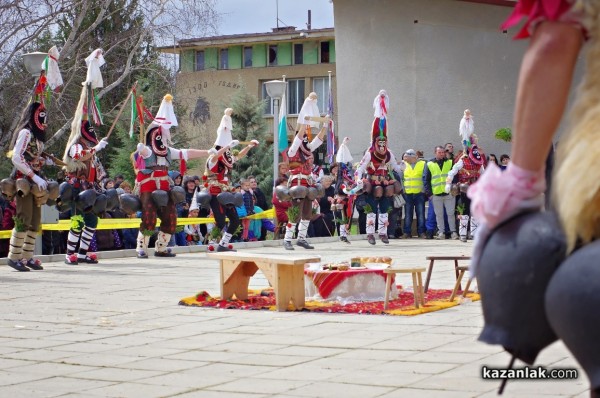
537, 11
150, 185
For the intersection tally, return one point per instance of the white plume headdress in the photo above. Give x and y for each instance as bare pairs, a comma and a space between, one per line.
311, 109
224, 136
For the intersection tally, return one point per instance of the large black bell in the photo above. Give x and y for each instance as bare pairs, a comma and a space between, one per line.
203, 199
516, 265
86, 200
112, 199
130, 204
160, 197
100, 204
225, 198
238, 199
573, 308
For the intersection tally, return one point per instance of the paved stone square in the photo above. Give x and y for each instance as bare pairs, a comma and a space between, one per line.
115, 330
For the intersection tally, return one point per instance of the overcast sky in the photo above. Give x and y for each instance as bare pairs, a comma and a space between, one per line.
257, 16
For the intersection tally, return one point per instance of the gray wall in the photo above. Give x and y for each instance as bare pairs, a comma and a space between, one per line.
455, 57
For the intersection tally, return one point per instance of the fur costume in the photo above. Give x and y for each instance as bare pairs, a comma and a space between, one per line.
576, 194
84, 170
27, 180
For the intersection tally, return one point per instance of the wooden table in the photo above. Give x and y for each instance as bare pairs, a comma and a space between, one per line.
416, 280
432, 260
284, 273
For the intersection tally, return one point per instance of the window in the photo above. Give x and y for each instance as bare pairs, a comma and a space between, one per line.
321, 87
324, 52
268, 100
298, 54
247, 57
199, 60
295, 93
223, 59
273, 55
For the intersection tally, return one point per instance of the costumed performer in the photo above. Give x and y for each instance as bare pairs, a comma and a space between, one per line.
153, 183
218, 194
83, 168
509, 202
472, 166
344, 199
302, 188
466, 128
27, 182
378, 163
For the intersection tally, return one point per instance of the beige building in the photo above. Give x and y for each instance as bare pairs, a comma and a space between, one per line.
213, 68
435, 58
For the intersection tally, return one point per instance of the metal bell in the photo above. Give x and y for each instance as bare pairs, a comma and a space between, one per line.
160, 197
572, 303
130, 204
516, 266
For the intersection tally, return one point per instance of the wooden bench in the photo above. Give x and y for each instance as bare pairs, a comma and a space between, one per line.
284, 273
433, 259
457, 284
416, 279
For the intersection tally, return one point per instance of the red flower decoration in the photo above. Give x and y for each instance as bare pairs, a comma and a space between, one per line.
230, 246
206, 185
211, 248
204, 178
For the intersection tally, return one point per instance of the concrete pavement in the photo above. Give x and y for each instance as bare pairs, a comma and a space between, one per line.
115, 330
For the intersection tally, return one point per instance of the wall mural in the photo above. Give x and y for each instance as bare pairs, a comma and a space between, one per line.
201, 113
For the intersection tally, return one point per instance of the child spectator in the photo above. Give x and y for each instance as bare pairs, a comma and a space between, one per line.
192, 231
126, 186
281, 207
248, 205
130, 234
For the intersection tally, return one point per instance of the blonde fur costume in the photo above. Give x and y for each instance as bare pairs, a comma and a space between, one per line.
576, 193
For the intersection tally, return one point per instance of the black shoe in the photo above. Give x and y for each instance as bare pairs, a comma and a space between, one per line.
17, 265
287, 245
384, 239
344, 239
166, 253
34, 264
225, 249
429, 235
303, 243
371, 239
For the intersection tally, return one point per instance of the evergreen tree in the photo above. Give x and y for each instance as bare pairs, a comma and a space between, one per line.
249, 124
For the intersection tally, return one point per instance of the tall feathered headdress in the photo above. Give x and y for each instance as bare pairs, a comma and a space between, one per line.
87, 108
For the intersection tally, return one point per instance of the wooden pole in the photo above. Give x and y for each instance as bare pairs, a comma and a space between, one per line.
121, 111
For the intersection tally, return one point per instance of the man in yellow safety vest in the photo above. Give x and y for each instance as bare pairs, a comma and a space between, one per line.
435, 183
414, 194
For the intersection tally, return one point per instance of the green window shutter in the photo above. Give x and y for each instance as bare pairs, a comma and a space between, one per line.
311, 53
331, 51
187, 60
235, 57
259, 55
211, 58
284, 54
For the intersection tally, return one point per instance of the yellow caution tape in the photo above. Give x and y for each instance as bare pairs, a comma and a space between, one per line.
122, 223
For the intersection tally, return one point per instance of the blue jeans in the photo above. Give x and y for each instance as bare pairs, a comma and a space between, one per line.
379, 205
414, 201
180, 238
